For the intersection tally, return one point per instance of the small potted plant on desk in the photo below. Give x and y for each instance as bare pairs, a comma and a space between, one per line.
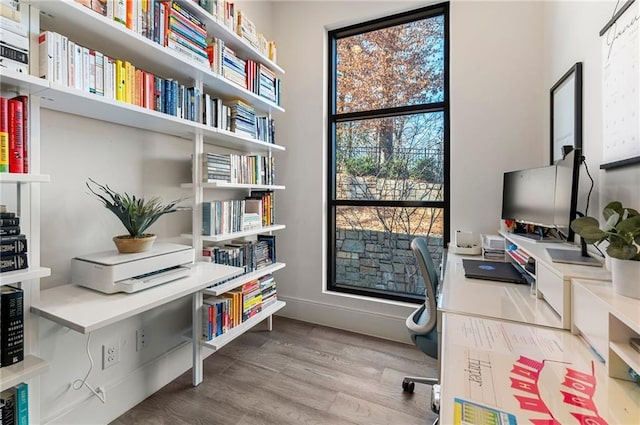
136, 213
622, 230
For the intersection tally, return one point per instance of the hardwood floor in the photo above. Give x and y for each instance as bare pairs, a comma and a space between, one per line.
299, 373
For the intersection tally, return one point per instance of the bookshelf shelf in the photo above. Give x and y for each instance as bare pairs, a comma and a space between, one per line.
88, 28
22, 83
241, 280
626, 353
23, 178
227, 236
9, 278
226, 138
233, 40
222, 340
28, 368
85, 310
224, 185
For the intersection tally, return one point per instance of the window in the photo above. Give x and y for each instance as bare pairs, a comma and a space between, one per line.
389, 151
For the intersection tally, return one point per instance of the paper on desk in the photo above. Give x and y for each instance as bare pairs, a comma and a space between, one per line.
516, 374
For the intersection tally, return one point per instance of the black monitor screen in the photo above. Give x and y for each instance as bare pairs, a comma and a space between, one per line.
528, 196
544, 196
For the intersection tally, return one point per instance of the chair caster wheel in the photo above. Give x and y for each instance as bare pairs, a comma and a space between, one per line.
408, 386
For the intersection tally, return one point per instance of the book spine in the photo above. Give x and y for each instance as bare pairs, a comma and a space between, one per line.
99, 67
8, 409
25, 131
16, 262
11, 326
47, 55
22, 404
16, 137
4, 135
12, 245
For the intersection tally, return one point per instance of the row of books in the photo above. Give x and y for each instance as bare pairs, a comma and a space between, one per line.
250, 255
227, 14
223, 313
223, 115
171, 24
14, 138
13, 244
11, 325
234, 168
72, 65
248, 74
14, 405
238, 215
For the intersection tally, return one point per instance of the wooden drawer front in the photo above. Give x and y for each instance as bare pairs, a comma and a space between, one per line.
590, 316
552, 288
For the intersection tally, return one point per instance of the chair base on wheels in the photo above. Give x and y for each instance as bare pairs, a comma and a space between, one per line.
409, 383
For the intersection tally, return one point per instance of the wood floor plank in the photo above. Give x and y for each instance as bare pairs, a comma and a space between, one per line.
298, 374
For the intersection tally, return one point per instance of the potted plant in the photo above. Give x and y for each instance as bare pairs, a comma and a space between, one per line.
136, 213
622, 230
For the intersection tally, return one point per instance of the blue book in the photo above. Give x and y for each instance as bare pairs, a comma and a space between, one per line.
22, 404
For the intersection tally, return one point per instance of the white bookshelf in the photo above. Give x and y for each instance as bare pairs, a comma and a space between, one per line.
232, 186
236, 235
31, 273
23, 178
241, 280
30, 367
222, 340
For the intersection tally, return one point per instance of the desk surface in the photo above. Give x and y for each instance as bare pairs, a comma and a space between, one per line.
526, 374
491, 299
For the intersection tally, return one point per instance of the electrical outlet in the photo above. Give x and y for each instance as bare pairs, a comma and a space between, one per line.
110, 354
141, 339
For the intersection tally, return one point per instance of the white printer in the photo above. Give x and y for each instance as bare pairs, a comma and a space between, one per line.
111, 272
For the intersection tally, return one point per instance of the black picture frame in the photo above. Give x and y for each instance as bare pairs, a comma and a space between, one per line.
566, 113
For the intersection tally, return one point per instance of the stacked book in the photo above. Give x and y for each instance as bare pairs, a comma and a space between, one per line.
246, 29
216, 168
268, 289
243, 118
233, 68
493, 247
250, 255
187, 34
269, 85
13, 244
14, 41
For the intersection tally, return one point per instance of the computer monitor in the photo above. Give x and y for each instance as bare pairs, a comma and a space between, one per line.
545, 196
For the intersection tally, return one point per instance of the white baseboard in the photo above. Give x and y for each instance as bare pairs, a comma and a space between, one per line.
350, 319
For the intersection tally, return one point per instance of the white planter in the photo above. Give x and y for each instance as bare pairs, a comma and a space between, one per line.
625, 276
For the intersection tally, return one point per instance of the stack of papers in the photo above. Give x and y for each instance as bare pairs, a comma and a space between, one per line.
493, 247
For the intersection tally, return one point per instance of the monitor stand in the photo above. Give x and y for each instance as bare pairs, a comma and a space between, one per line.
570, 256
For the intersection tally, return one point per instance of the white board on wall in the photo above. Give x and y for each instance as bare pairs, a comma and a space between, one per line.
620, 84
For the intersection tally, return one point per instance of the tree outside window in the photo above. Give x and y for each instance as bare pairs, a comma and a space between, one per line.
388, 132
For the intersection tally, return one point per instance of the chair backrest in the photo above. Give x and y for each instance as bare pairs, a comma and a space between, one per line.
429, 273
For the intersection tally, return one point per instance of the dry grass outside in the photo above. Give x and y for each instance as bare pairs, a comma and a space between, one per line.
414, 221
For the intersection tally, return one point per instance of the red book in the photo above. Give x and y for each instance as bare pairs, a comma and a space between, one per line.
25, 131
4, 135
16, 137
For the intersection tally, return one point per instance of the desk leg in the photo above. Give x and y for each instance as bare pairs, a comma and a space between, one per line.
270, 323
195, 337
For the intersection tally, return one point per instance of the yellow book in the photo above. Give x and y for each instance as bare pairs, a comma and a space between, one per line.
129, 81
119, 80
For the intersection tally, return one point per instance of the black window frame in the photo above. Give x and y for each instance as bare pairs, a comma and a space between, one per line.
441, 9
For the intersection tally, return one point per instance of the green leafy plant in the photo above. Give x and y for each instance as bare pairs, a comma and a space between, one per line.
621, 229
137, 214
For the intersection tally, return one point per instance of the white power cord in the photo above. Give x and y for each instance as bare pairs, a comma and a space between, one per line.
79, 383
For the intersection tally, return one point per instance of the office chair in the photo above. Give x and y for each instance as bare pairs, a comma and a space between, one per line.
422, 323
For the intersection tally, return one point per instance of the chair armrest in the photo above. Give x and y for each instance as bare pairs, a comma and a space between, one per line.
415, 324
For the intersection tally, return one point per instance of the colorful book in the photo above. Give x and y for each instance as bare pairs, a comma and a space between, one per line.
16, 137
25, 133
22, 404
4, 135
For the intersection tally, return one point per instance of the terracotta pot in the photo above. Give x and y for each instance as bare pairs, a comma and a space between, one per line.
625, 277
128, 245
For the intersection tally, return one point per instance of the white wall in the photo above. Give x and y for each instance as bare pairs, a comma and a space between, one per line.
571, 35
496, 125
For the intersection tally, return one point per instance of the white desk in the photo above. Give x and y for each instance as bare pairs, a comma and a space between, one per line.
553, 280
492, 299
526, 373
